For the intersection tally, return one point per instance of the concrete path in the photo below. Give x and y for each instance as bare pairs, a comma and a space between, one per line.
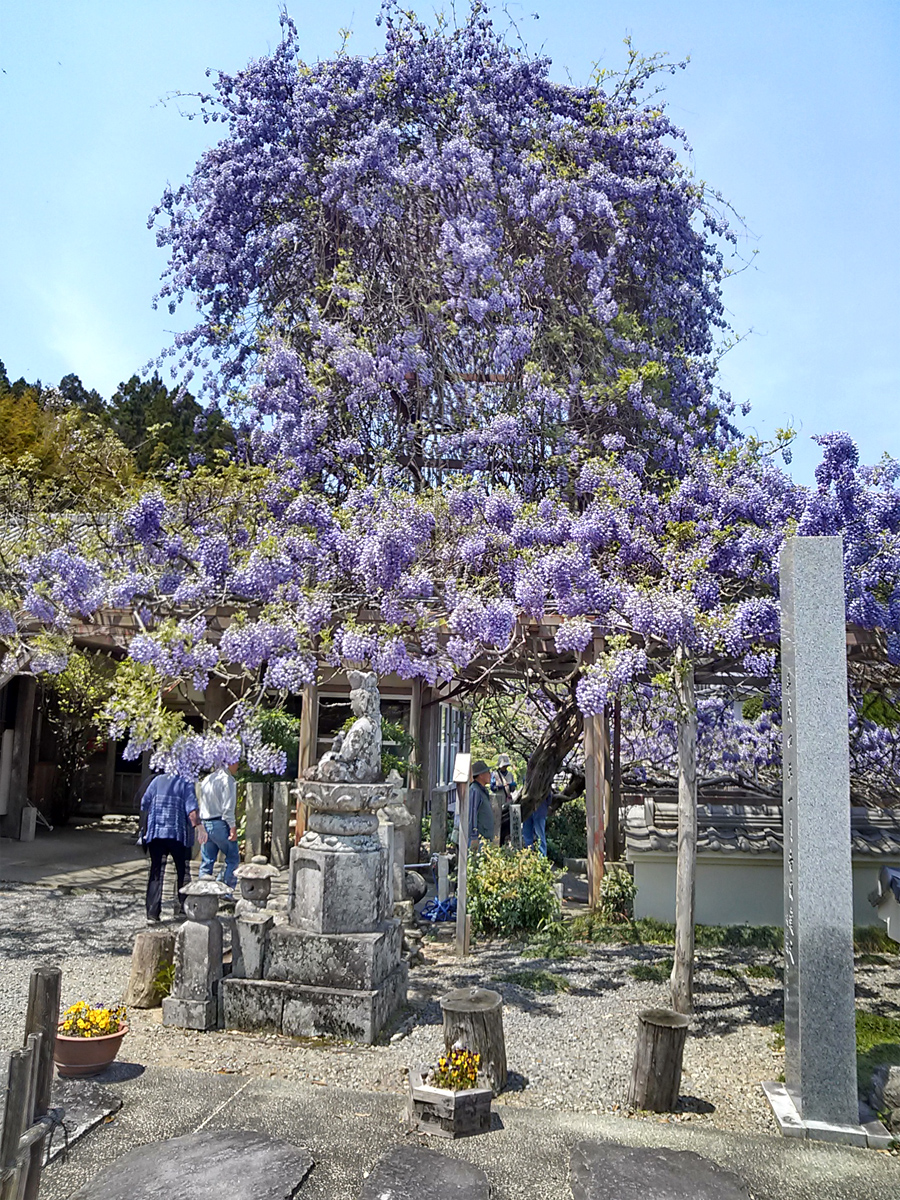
95, 854
526, 1157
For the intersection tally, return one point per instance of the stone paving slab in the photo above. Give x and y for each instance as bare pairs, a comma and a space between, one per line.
414, 1173
236, 1164
608, 1171
525, 1158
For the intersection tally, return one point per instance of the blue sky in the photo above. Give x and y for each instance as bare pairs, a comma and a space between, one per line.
792, 109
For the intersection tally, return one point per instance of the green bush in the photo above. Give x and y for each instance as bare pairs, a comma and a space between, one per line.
617, 893
567, 831
510, 891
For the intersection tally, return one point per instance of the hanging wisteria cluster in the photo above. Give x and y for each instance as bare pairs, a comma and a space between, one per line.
463, 319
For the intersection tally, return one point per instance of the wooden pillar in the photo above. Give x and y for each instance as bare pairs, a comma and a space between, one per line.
41, 1020
309, 736
438, 838
109, 776
280, 851
415, 732
613, 833
255, 795
26, 691
596, 781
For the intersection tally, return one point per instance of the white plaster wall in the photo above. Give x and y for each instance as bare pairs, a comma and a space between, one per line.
738, 889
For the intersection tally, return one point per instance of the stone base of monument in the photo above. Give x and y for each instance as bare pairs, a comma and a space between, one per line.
333, 960
190, 1014
790, 1124
302, 1010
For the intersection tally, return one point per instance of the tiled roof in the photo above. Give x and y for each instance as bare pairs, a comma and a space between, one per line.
750, 828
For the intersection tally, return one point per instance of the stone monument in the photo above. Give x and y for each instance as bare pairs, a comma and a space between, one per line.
193, 1002
335, 968
819, 1096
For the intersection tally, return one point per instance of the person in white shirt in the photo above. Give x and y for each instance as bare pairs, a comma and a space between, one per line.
217, 797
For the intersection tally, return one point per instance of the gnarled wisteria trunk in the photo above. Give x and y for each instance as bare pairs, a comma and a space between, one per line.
557, 742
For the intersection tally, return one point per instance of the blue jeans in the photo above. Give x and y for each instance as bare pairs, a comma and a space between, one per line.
217, 829
534, 828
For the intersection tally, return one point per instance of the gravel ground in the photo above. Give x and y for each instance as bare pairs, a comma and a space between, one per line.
568, 1050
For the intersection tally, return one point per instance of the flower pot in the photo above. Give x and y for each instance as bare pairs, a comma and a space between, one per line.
444, 1113
78, 1056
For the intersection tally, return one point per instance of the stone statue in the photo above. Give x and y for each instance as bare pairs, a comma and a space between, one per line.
355, 756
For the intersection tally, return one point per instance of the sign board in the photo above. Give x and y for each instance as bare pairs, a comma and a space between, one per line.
462, 768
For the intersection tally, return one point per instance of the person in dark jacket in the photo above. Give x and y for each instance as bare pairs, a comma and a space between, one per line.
481, 814
170, 819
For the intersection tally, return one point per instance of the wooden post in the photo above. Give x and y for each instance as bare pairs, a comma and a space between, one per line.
613, 839
497, 811
682, 980
281, 808
443, 878
255, 815
309, 736
41, 1020
595, 791
596, 760
415, 732
11, 823
438, 836
515, 826
154, 949
109, 776
462, 926
656, 1071
474, 1017
15, 1120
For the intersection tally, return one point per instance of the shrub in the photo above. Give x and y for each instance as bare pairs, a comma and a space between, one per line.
617, 893
567, 831
510, 892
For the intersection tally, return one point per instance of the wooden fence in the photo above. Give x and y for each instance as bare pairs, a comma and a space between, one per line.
27, 1120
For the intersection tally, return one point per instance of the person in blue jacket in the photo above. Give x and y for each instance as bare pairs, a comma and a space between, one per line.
534, 828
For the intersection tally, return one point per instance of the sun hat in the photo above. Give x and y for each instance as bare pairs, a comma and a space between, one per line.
503, 760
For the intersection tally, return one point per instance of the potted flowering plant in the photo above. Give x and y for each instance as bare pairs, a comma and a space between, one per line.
88, 1039
446, 1099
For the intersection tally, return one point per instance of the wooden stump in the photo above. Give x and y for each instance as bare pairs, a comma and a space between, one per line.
474, 1017
656, 1072
153, 950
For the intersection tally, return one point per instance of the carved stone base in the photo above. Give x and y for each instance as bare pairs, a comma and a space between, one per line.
333, 960
295, 1010
190, 1014
337, 884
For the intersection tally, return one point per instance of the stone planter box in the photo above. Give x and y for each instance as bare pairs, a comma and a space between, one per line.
444, 1113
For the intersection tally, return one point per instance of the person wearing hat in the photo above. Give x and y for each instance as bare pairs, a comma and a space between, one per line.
481, 815
502, 780
503, 784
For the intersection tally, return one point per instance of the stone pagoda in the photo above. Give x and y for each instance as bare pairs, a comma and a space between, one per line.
334, 969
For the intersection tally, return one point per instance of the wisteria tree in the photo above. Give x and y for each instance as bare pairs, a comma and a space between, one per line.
433, 286
463, 320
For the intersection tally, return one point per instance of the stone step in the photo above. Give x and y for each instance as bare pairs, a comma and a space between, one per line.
414, 1173
236, 1164
610, 1171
